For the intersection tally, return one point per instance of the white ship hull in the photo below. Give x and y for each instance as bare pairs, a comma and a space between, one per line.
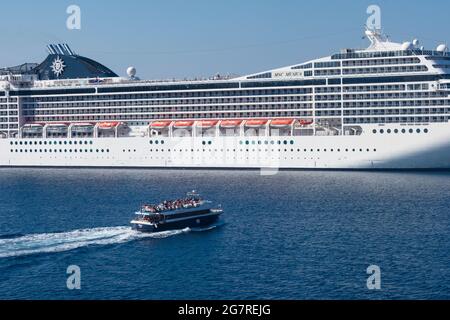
429, 150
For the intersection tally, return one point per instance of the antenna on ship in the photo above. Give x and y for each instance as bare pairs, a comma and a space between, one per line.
375, 36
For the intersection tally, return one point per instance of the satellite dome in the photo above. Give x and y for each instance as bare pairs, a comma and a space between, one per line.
131, 72
407, 46
416, 42
441, 48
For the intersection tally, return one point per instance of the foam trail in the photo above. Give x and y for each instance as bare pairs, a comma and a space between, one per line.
65, 241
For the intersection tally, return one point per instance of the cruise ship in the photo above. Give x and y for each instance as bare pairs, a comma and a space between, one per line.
383, 107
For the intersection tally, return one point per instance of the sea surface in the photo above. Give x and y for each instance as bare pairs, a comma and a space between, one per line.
292, 235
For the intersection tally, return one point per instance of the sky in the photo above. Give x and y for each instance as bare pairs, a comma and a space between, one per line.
167, 39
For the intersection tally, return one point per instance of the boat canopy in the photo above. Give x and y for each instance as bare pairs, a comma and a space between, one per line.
57, 127
83, 124
108, 125
33, 127
183, 124
256, 123
305, 122
207, 123
281, 122
230, 123
82, 127
160, 124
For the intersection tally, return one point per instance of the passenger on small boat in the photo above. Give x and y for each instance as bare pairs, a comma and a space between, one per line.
168, 205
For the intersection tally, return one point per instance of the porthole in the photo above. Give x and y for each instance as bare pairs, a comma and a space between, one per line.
381, 131
389, 131
396, 131
411, 130
403, 131
374, 131
418, 131
425, 130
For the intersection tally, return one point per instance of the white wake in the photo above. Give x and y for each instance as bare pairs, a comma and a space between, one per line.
65, 241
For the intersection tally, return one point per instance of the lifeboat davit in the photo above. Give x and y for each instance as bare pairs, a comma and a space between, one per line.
256, 123
281, 123
108, 125
305, 122
230, 123
205, 124
160, 124
183, 124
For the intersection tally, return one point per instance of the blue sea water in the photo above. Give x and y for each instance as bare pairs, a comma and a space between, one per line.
293, 235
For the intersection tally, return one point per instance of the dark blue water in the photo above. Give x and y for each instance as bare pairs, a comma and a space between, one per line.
294, 235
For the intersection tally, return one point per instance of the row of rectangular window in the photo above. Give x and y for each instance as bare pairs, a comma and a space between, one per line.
385, 119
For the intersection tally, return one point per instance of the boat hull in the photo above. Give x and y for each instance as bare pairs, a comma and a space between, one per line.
192, 222
369, 150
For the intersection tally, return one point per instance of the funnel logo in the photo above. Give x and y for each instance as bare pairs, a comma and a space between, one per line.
58, 66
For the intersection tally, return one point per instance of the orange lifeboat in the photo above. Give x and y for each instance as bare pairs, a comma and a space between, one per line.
256, 123
280, 123
108, 125
183, 124
160, 124
230, 123
305, 122
207, 123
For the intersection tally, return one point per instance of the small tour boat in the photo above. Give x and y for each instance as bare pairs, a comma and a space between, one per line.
189, 212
